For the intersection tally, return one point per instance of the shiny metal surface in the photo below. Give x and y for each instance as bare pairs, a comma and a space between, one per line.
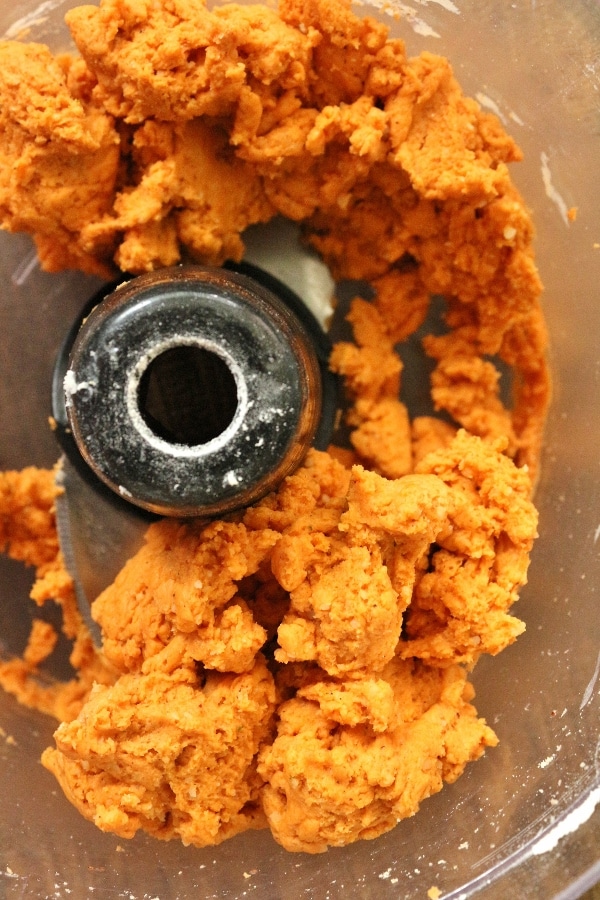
525, 821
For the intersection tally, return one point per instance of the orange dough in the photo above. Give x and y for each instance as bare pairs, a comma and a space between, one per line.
375, 592
301, 665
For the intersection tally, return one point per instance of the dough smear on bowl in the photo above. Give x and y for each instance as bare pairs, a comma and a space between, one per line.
302, 664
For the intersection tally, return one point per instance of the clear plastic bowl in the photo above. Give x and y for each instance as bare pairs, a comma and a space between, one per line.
525, 820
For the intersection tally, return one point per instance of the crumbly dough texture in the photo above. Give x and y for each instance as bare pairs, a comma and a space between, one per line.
177, 127
369, 598
303, 664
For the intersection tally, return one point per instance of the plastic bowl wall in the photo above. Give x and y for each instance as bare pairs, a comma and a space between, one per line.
524, 821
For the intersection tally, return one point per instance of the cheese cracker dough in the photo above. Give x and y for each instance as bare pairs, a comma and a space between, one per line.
378, 594
303, 664
178, 126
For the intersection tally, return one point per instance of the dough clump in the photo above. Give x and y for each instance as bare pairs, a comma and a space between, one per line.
302, 664
177, 127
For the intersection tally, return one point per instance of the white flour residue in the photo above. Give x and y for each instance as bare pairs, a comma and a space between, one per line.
487, 103
71, 387
589, 691
417, 24
551, 191
568, 825
393, 8
597, 534
445, 4
36, 17
512, 115
490, 104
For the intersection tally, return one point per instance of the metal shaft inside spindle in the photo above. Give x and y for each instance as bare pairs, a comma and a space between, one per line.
188, 395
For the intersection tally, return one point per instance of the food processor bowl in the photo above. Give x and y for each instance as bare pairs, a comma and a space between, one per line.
525, 820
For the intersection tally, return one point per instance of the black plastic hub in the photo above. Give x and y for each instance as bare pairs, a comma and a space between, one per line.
194, 391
